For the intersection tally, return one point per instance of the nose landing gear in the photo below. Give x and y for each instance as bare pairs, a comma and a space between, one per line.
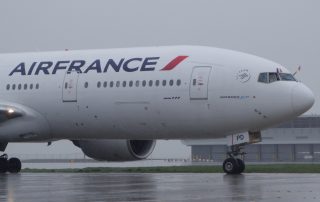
233, 164
13, 165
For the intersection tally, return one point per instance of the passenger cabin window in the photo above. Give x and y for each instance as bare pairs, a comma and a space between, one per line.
178, 82
157, 82
130, 83
194, 82
124, 84
171, 82
144, 83
164, 82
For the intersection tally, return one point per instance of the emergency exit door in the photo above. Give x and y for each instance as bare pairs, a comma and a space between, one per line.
70, 83
199, 83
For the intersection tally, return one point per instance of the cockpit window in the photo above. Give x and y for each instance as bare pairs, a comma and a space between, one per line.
263, 78
287, 77
273, 77
270, 77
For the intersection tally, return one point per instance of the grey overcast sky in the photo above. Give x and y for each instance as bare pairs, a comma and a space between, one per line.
286, 31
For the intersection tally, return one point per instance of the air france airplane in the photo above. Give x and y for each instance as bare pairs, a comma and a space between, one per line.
114, 104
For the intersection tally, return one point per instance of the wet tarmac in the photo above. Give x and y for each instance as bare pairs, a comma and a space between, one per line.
71, 164
158, 187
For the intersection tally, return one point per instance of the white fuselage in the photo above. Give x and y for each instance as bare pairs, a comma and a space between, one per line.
209, 93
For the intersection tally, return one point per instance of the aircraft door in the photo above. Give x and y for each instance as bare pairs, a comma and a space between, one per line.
199, 83
69, 88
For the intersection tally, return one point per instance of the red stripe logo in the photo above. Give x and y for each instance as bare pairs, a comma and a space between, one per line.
171, 65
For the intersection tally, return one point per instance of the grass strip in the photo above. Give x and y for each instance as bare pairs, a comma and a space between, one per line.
270, 168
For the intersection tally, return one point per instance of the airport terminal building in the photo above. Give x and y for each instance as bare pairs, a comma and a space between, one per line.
294, 141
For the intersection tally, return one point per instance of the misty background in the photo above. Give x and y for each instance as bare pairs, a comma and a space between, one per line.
287, 32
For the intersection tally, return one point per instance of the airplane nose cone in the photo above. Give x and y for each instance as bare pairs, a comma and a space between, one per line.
302, 99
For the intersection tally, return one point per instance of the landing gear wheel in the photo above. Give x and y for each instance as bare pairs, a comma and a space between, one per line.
3, 165
14, 165
230, 166
234, 165
241, 166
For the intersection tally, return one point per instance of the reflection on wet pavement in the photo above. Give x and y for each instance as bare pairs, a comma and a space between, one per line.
158, 187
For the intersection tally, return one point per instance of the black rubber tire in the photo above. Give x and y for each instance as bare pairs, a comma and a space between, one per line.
14, 165
3, 165
242, 166
230, 166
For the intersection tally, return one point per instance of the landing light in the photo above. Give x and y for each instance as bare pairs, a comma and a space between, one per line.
10, 111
